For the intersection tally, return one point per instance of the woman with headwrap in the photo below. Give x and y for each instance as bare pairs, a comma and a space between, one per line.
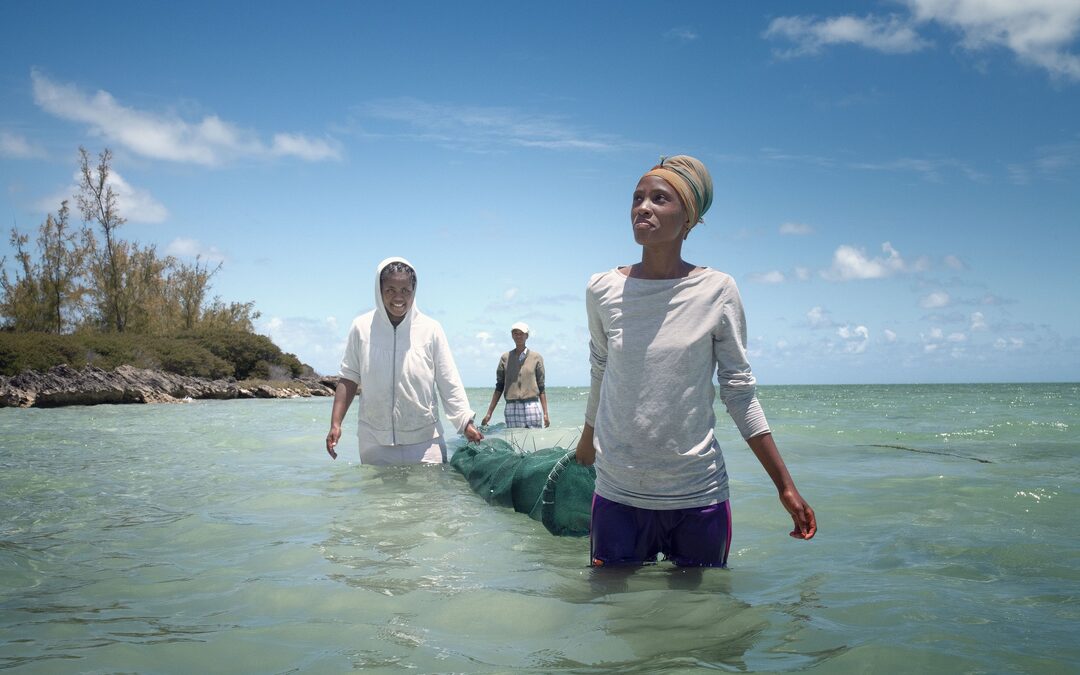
398, 359
659, 329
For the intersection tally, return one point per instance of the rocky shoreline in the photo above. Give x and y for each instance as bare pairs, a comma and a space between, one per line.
64, 385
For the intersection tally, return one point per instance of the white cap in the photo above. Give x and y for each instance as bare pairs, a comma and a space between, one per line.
521, 326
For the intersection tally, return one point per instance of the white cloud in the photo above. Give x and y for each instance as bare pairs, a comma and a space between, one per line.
478, 350
855, 339
183, 247
934, 300
773, 277
796, 229
1036, 31
819, 318
136, 205
929, 169
850, 263
978, 321
510, 294
1009, 345
209, 141
890, 336
482, 129
682, 34
803, 273
1051, 162
14, 146
932, 340
932, 170
317, 342
955, 263
308, 149
957, 337
1019, 174
891, 35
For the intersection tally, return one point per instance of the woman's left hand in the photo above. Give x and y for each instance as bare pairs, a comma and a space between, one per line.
801, 514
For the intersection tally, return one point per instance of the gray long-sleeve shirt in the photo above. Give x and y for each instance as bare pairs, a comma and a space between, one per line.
654, 346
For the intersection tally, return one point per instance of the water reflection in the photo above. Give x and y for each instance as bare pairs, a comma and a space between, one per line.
463, 581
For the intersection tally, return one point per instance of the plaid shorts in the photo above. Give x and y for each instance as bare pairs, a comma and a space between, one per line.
524, 414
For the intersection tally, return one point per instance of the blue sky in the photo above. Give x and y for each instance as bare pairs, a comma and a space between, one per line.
896, 183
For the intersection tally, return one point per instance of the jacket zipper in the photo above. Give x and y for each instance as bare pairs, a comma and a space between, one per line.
393, 391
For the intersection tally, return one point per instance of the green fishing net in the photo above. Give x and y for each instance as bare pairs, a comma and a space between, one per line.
549, 484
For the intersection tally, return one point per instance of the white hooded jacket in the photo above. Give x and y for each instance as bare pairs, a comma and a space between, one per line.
398, 370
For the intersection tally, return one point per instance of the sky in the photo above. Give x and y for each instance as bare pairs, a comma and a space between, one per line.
897, 183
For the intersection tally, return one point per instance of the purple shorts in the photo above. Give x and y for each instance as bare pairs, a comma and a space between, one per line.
628, 535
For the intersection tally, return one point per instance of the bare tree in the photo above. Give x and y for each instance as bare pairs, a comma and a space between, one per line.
92, 277
233, 316
144, 290
97, 200
191, 282
62, 257
21, 303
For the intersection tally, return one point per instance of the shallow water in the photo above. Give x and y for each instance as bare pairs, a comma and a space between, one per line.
218, 536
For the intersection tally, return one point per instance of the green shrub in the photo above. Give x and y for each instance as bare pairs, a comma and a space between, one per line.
250, 354
242, 350
37, 351
216, 354
188, 358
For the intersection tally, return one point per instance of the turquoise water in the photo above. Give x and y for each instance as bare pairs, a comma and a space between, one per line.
218, 536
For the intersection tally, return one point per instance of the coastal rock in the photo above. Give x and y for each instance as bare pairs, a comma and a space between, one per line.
63, 385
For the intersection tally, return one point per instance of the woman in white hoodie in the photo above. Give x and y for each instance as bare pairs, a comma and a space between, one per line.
396, 358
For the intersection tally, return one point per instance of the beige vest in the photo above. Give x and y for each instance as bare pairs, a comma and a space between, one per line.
521, 380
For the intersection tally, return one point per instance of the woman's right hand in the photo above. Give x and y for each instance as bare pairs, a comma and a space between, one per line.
332, 440
472, 434
487, 418
344, 393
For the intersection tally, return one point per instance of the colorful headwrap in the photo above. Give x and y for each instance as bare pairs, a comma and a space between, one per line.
691, 180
